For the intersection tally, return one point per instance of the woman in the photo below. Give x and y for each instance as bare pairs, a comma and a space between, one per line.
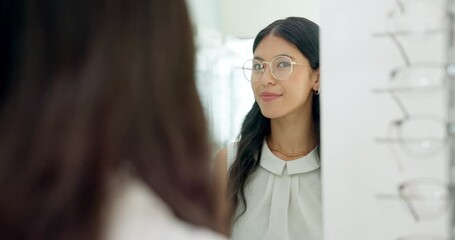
274, 188
102, 135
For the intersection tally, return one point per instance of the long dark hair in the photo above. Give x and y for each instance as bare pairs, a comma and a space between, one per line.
88, 87
304, 34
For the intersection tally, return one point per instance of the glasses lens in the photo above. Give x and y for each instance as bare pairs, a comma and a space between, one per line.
252, 70
427, 199
281, 67
418, 76
420, 137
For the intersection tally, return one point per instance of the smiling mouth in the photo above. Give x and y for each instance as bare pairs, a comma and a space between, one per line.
269, 96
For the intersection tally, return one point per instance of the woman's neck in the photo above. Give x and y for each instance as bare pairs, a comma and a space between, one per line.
292, 137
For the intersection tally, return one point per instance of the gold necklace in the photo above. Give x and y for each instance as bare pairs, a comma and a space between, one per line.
289, 156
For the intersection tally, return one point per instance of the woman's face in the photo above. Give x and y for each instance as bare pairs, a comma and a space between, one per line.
278, 98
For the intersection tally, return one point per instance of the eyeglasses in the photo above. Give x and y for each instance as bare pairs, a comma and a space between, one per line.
413, 75
416, 17
419, 136
424, 199
281, 68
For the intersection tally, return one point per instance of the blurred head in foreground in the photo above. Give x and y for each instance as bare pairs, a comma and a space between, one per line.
89, 88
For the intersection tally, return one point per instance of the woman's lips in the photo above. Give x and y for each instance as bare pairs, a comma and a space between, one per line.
268, 96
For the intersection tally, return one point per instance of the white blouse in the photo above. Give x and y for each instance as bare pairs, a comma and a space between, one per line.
283, 199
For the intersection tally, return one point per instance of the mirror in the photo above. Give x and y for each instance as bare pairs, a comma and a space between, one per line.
225, 31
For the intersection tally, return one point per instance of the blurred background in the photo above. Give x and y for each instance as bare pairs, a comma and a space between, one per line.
224, 33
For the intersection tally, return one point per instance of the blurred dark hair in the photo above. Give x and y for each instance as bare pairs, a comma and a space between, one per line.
86, 88
304, 34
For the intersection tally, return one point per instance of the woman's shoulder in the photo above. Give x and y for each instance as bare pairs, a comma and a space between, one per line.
136, 212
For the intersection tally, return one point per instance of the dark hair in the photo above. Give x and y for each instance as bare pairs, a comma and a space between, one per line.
86, 88
304, 34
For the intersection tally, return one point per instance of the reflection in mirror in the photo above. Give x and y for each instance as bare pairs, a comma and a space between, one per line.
261, 97
274, 187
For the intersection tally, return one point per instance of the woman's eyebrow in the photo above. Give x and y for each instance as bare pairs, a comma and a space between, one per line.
287, 55
279, 55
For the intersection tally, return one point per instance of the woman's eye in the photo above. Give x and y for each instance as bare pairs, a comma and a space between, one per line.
257, 67
283, 64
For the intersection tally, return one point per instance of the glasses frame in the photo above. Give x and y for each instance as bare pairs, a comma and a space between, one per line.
409, 200
271, 71
403, 11
394, 36
395, 136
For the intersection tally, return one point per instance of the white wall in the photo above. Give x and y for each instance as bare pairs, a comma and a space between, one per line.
205, 13
243, 19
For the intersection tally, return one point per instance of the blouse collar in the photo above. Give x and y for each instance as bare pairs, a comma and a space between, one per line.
276, 165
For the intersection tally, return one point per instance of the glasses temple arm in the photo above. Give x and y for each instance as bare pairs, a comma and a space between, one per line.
401, 6
400, 104
410, 207
400, 48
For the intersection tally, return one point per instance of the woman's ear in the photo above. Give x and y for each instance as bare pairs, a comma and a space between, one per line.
315, 79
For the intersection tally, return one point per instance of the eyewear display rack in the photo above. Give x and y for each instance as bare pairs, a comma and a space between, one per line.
388, 93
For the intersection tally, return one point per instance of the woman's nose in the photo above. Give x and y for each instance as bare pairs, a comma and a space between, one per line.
267, 77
